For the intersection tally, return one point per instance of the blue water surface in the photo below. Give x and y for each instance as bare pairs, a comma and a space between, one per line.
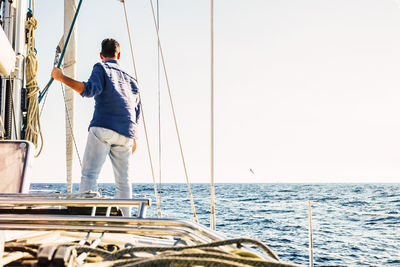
352, 224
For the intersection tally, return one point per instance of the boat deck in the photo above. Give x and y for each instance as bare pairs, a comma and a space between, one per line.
75, 230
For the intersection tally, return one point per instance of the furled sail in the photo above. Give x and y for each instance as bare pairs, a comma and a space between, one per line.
70, 71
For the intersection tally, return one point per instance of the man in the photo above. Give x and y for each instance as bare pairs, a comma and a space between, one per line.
113, 129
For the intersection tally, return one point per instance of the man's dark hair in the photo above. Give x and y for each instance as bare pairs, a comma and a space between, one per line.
109, 47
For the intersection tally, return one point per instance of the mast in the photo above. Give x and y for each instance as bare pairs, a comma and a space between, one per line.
70, 71
14, 27
5, 100
18, 76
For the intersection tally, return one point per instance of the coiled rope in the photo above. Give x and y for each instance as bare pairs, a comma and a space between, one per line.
11, 247
211, 260
169, 255
197, 255
237, 241
33, 130
204, 254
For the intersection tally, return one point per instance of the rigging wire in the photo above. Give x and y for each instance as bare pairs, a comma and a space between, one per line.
43, 104
173, 113
45, 90
56, 60
141, 108
159, 103
212, 192
70, 125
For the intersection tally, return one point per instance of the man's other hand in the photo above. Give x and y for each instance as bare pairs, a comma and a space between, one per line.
134, 146
57, 74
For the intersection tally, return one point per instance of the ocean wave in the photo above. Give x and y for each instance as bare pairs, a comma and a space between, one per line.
278, 214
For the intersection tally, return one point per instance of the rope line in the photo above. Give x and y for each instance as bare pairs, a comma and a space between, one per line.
143, 118
173, 113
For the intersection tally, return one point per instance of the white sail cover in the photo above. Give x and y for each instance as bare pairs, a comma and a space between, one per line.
7, 55
70, 71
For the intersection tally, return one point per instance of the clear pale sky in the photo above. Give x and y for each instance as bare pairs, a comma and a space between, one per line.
305, 91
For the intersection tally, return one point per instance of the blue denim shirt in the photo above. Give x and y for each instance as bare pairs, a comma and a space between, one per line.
117, 104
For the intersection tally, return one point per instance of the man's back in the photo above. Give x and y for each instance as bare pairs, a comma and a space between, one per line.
117, 104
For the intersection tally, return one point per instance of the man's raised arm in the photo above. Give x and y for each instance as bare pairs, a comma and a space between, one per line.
58, 75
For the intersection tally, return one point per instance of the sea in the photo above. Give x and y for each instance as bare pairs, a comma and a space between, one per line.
352, 224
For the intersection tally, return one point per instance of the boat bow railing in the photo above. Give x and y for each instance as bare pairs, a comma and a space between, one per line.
29, 201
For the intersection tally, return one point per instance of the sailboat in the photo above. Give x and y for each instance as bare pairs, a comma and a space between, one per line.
70, 229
